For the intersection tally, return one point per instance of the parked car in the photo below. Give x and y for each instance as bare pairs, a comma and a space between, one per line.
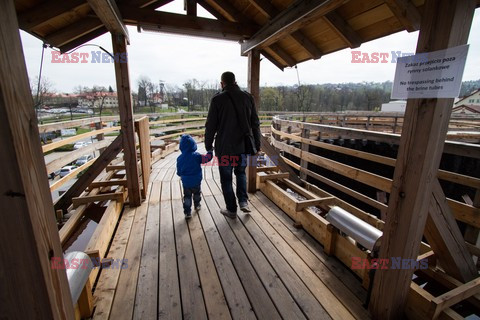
66, 170
53, 174
83, 159
81, 144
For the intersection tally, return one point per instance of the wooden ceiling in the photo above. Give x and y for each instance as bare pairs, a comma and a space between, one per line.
286, 32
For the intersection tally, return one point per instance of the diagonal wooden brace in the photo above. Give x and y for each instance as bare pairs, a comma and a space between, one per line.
445, 238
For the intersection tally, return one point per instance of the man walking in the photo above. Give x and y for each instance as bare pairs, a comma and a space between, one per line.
224, 125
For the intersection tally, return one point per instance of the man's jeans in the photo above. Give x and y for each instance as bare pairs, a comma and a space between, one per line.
187, 198
238, 167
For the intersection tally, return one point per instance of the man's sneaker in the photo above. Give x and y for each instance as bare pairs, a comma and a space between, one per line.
244, 207
227, 213
188, 215
197, 208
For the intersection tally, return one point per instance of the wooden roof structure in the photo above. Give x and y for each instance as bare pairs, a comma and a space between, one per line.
286, 32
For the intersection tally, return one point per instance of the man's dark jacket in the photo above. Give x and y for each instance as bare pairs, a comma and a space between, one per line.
223, 123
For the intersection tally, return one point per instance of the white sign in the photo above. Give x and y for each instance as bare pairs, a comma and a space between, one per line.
430, 75
68, 132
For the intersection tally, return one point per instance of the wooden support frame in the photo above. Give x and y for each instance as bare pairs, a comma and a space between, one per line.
110, 16
446, 300
343, 29
92, 172
186, 25
291, 19
446, 240
143, 130
254, 88
447, 24
406, 13
45, 11
115, 196
30, 287
125, 109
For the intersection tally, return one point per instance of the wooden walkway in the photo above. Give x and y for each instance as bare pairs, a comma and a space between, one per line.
211, 267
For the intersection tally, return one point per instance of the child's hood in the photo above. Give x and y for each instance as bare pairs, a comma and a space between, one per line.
187, 144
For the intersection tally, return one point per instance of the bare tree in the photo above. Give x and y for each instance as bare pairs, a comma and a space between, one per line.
40, 91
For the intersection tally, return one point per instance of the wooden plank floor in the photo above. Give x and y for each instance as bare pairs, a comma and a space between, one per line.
211, 267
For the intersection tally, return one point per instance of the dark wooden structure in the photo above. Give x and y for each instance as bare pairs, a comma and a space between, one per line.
286, 33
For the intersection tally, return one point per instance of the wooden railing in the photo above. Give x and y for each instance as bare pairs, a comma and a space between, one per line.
307, 203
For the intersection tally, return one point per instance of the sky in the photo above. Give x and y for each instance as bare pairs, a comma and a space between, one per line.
175, 59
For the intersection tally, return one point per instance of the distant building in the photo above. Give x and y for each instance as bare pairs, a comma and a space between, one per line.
468, 109
473, 99
394, 106
94, 100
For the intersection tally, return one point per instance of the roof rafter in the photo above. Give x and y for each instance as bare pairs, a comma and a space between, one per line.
74, 31
83, 39
283, 55
272, 59
212, 10
290, 20
406, 13
344, 30
110, 16
268, 9
232, 11
46, 11
182, 24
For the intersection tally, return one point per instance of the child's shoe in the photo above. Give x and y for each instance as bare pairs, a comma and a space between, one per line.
188, 215
198, 207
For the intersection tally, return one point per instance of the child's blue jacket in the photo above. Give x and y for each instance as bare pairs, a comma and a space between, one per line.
188, 163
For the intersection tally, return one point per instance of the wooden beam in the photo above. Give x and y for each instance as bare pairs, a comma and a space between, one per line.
454, 296
143, 130
406, 13
191, 7
269, 10
108, 183
307, 44
185, 25
274, 176
84, 181
83, 39
254, 89
447, 24
288, 21
285, 56
73, 31
212, 10
31, 288
343, 29
125, 109
272, 59
446, 240
110, 16
233, 12
115, 196
275, 156
46, 11
69, 157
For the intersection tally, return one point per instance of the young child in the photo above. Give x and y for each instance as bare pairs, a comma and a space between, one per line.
190, 171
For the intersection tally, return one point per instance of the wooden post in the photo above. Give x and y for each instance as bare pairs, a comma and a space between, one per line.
126, 119
254, 88
30, 288
445, 23
305, 147
101, 136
